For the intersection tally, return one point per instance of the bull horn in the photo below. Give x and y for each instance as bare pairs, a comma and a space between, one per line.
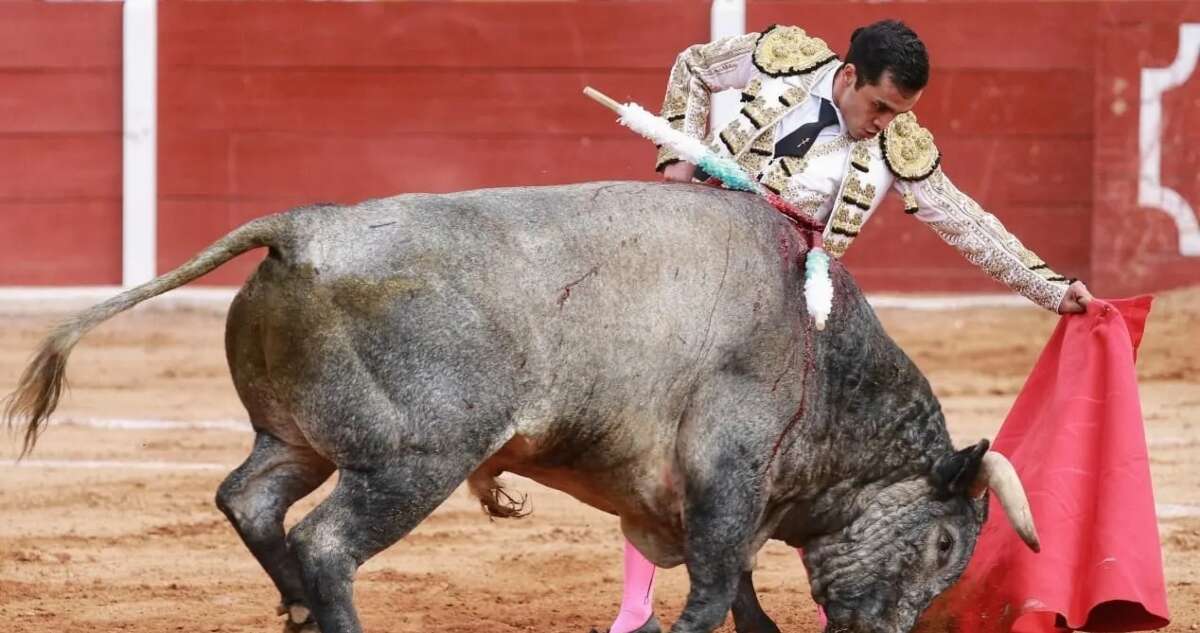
997, 473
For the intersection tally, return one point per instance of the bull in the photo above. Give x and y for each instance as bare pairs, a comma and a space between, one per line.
642, 347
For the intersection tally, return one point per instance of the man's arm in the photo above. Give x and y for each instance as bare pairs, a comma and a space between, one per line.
698, 72
984, 241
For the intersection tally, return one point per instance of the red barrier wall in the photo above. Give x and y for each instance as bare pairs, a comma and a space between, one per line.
1136, 248
263, 106
266, 111
60, 143
266, 105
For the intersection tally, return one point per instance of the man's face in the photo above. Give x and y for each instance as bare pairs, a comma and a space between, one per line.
869, 109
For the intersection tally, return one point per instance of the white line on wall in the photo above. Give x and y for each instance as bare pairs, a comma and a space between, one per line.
727, 18
1151, 192
140, 149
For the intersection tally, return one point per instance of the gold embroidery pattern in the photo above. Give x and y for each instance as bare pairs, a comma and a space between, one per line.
687, 100
779, 173
853, 203
908, 148
848, 212
775, 177
808, 202
983, 240
836, 245
752, 89
860, 157
858, 194
753, 163
736, 136
788, 50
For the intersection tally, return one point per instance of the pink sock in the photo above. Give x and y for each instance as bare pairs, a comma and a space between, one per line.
820, 612
637, 597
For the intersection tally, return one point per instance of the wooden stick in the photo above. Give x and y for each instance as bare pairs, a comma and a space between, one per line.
602, 99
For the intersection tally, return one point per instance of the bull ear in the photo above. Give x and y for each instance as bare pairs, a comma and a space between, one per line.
953, 473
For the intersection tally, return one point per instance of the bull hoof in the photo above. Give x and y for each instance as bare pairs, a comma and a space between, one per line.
299, 620
651, 626
303, 627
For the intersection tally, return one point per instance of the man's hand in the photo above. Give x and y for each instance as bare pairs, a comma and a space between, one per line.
680, 171
1076, 299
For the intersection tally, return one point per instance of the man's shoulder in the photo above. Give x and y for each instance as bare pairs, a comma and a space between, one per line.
788, 50
908, 149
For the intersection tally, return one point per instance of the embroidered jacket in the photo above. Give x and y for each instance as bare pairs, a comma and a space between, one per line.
843, 181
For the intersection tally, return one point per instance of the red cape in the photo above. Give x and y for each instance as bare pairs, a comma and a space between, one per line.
1075, 437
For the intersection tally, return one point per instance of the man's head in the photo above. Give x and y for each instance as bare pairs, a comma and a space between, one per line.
885, 71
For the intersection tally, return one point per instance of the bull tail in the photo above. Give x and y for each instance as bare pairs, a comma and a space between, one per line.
41, 384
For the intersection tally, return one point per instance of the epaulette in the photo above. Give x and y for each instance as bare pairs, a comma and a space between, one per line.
908, 148
788, 50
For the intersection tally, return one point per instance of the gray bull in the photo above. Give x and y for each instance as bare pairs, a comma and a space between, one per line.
642, 347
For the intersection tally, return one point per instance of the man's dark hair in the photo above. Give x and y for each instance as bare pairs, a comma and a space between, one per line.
889, 45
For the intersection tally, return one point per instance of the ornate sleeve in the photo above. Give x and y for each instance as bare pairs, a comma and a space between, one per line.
981, 238
698, 72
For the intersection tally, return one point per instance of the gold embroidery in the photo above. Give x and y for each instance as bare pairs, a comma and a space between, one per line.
735, 136
908, 148
752, 163
824, 149
665, 155
752, 89
687, 100
860, 157
858, 194
775, 177
836, 245
808, 202
788, 50
849, 210
760, 113
983, 240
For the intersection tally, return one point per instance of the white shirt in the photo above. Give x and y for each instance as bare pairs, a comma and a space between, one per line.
823, 177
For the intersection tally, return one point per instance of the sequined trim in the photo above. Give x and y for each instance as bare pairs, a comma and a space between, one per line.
780, 171
860, 158
687, 100
983, 240
849, 212
751, 130
908, 148
788, 50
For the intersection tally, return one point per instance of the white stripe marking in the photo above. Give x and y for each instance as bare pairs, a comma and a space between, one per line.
156, 425
89, 464
1176, 510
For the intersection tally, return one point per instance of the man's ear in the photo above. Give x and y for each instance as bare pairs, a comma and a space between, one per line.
953, 473
850, 74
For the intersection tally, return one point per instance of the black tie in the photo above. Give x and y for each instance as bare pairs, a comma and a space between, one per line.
801, 139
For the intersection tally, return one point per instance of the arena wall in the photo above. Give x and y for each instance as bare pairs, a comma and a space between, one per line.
263, 106
60, 143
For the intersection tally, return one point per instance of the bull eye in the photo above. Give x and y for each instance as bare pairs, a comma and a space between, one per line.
944, 544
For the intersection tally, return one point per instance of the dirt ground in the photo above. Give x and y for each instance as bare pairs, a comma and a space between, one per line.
89, 546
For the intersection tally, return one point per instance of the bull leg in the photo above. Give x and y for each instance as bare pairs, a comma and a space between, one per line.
748, 614
256, 496
722, 454
370, 509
